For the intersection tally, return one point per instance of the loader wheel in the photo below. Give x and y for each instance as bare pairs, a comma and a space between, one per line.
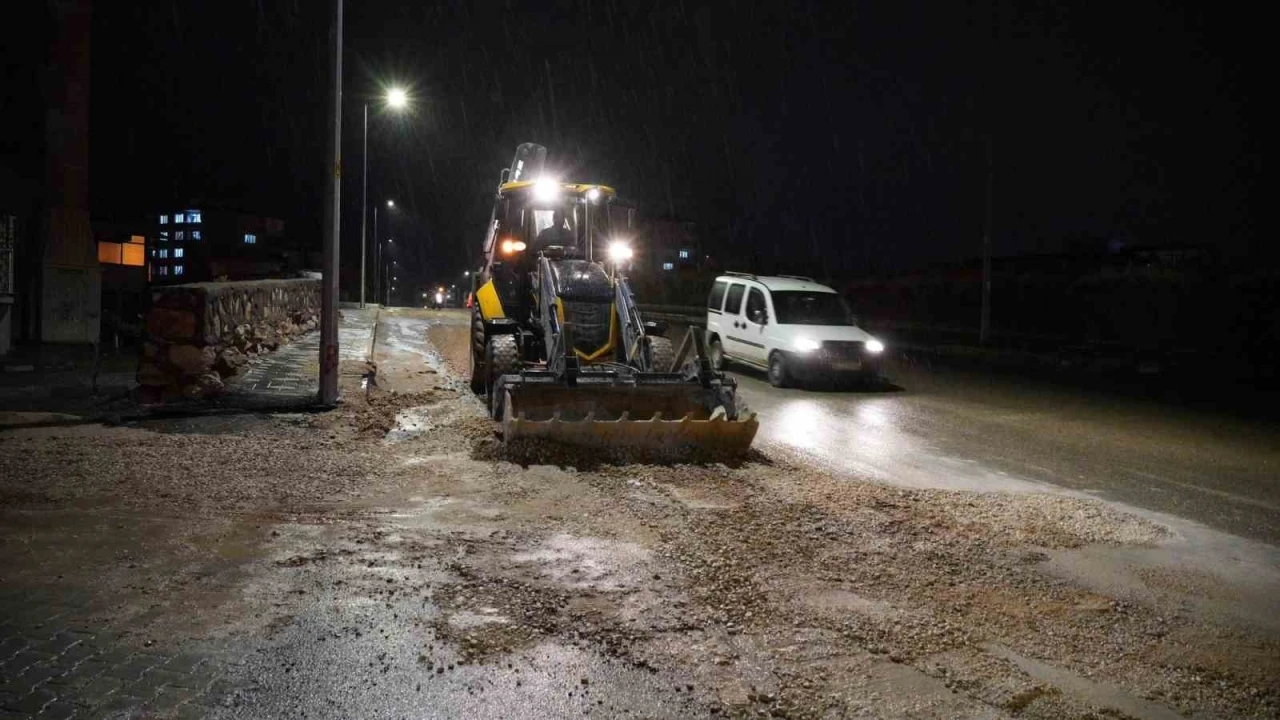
661, 354
778, 375
477, 353
715, 353
501, 357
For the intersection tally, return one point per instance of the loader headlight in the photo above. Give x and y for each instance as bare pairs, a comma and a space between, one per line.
619, 251
807, 345
509, 246
593, 194
546, 190
874, 346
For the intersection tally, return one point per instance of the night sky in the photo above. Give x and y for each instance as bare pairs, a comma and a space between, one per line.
843, 135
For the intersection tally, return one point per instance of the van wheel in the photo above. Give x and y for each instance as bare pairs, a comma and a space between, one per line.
715, 353
778, 375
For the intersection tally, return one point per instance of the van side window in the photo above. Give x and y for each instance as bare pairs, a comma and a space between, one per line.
734, 303
755, 303
716, 300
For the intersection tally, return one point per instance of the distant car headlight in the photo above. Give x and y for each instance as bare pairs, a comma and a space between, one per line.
875, 347
807, 345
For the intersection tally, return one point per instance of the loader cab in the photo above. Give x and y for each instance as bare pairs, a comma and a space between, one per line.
543, 217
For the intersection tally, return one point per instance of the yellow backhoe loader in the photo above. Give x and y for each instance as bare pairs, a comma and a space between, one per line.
559, 349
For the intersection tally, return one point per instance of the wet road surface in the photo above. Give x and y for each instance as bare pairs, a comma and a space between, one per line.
964, 430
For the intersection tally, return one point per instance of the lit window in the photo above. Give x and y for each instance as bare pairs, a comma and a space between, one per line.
153, 252
164, 236
178, 218
193, 216
250, 239
133, 254
177, 269
164, 252
177, 252
137, 239
195, 234
668, 266
163, 270
684, 254
179, 235
109, 252
164, 219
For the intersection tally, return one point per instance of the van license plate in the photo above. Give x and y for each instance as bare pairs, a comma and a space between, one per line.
847, 365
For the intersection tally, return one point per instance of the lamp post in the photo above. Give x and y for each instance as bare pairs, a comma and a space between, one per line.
396, 99
377, 252
328, 394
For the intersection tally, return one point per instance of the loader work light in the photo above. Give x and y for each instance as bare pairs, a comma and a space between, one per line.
546, 190
509, 246
619, 251
593, 194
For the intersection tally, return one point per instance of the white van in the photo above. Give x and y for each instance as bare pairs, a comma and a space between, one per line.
788, 325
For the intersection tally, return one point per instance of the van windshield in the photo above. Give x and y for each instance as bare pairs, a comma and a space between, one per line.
798, 307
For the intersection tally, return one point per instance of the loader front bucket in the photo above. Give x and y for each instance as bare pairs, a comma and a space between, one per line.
661, 416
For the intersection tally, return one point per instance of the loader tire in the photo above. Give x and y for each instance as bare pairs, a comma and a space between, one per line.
501, 357
477, 353
661, 354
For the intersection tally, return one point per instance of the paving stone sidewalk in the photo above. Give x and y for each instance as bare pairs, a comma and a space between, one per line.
293, 370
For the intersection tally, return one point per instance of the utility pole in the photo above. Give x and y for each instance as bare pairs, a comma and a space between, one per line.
984, 327
364, 202
332, 217
984, 331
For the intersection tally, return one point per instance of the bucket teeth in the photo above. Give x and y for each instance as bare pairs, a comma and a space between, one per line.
717, 435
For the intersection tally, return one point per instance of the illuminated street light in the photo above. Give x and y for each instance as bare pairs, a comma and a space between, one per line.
397, 99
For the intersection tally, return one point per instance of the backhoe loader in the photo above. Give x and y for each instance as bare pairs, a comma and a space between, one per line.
559, 349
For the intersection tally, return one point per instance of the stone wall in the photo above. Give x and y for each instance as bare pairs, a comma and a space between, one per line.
199, 334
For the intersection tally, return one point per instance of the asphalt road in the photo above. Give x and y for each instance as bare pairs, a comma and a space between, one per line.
965, 430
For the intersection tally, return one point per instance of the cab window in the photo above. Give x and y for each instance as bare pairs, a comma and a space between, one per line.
734, 302
756, 308
715, 301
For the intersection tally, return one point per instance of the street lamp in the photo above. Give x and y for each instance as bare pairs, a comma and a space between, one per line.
396, 99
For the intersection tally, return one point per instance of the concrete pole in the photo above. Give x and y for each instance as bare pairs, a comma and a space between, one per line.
333, 219
984, 329
364, 201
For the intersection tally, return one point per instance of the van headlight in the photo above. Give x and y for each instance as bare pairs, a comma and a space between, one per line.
807, 345
874, 346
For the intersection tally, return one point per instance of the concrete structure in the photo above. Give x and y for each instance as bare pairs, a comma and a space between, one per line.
70, 279
52, 293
